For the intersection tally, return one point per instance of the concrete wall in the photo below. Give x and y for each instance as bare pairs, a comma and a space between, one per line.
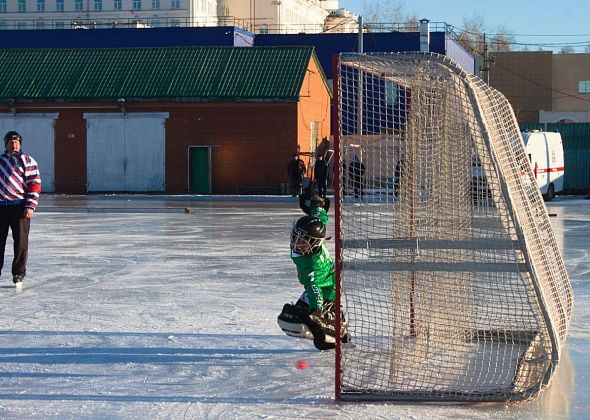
526, 79
568, 70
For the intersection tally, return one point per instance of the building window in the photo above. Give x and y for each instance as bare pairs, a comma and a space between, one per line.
22, 5
97, 5
155, 4
584, 86
175, 23
21, 25
40, 25
136, 4
40, 5
118, 5
2, 25
59, 5
176, 4
60, 25
2, 6
79, 5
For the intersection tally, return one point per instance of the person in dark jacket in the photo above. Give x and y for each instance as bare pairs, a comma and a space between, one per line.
356, 171
320, 171
296, 171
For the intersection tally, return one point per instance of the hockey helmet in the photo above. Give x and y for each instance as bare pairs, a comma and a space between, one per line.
307, 235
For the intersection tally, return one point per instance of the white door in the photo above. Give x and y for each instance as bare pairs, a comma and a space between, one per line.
38, 133
126, 152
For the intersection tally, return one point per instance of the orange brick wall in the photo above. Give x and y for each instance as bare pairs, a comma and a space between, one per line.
314, 105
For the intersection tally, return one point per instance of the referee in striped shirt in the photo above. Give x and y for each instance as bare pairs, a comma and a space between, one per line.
20, 185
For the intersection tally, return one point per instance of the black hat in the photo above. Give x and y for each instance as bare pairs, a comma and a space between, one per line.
12, 135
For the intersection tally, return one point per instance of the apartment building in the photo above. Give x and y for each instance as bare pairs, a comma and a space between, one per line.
258, 16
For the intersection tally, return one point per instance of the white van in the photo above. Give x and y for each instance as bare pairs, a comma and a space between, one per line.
545, 152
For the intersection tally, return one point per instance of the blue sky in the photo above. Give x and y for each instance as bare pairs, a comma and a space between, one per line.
548, 23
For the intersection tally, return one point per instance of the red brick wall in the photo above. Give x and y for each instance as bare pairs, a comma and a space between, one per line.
70, 152
251, 144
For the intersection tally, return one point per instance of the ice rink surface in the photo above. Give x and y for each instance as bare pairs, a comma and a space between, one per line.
165, 308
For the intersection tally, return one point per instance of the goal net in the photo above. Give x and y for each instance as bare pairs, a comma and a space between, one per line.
449, 275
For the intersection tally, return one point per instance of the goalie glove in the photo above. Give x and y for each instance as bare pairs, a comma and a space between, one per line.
293, 319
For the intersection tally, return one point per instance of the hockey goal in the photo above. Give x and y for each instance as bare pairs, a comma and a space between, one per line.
448, 270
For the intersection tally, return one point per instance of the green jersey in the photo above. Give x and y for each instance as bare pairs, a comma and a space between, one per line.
316, 273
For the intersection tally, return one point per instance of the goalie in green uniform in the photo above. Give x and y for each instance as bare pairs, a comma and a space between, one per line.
313, 316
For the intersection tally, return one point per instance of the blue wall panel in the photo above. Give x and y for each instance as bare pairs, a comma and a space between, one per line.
125, 37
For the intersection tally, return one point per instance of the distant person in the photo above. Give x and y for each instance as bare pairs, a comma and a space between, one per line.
356, 172
20, 185
320, 172
296, 171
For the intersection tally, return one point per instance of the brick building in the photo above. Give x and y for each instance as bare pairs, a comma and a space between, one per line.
175, 120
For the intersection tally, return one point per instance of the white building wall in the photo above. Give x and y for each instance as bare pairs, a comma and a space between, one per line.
278, 16
273, 16
105, 13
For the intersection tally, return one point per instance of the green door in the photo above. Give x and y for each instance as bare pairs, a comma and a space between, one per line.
199, 169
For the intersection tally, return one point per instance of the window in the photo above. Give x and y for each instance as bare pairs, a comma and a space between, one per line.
155, 4
79, 5
176, 4
175, 23
584, 86
136, 4
40, 5
2, 6
21, 25
118, 5
97, 5
60, 25
2, 25
40, 25
22, 6
59, 5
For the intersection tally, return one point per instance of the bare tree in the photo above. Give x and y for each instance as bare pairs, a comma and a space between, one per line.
568, 49
502, 40
386, 15
474, 37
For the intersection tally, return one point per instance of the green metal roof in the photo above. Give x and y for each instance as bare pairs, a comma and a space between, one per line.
227, 74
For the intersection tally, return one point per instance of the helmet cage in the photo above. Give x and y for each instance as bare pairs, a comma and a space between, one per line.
303, 243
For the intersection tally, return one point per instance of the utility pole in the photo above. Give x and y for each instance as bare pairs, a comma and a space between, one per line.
486, 61
361, 50
253, 16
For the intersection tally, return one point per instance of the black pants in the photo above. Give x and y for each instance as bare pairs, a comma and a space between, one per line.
13, 217
296, 187
322, 186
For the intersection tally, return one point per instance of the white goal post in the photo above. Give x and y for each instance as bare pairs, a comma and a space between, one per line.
448, 272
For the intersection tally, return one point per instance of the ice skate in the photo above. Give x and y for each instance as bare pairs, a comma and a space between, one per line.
17, 279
